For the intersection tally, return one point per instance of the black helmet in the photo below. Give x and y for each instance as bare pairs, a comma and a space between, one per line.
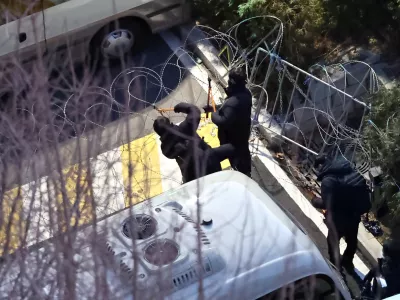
237, 77
160, 125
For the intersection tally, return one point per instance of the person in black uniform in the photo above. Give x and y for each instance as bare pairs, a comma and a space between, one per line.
345, 197
389, 267
233, 119
182, 143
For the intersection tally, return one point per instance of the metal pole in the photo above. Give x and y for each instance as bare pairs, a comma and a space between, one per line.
327, 138
311, 138
359, 133
329, 109
361, 83
302, 113
254, 67
290, 102
277, 95
255, 47
287, 139
370, 82
209, 97
264, 87
316, 78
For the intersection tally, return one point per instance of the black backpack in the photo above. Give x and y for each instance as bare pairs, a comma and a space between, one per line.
353, 194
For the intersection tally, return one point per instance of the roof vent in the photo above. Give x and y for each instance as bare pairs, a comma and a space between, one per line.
185, 279
161, 252
192, 275
139, 226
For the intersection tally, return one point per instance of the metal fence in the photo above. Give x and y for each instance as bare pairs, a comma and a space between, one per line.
321, 110
316, 112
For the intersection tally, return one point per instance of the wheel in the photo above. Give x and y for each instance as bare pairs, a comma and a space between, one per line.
116, 40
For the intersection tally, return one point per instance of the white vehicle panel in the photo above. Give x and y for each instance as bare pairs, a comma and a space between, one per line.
81, 19
253, 248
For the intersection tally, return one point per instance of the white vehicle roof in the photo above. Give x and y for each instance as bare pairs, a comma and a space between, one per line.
395, 297
250, 249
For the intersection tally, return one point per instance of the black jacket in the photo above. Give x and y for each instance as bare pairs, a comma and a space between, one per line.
234, 118
197, 161
343, 190
182, 143
390, 267
391, 273
186, 130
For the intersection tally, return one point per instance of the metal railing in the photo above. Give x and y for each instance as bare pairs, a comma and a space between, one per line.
318, 112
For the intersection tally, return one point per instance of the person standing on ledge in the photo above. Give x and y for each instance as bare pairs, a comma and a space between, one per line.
345, 196
233, 119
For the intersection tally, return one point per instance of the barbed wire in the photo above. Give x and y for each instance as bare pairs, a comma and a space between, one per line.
44, 112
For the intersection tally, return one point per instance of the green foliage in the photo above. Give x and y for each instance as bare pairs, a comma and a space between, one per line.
303, 21
359, 18
383, 138
309, 24
219, 14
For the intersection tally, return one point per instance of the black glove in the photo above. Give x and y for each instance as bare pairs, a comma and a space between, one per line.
182, 107
208, 109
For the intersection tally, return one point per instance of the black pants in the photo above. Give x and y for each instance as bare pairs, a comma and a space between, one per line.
204, 161
239, 157
343, 229
242, 161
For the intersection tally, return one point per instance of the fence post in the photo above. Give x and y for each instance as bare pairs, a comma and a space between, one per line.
263, 90
359, 133
277, 96
290, 102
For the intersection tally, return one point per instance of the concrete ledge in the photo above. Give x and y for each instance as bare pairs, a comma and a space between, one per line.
272, 137
269, 181
206, 51
270, 133
368, 245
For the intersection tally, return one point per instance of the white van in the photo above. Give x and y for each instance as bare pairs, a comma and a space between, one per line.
243, 247
105, 28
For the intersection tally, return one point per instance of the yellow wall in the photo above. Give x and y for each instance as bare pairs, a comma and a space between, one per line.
141, 176
11, 221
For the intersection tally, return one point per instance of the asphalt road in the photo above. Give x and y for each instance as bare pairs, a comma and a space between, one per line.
100, 108
154, 75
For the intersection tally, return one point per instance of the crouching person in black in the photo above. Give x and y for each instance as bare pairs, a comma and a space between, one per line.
345, 196
181, 142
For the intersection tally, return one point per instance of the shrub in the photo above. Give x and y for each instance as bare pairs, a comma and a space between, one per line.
302, 19
382, 135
